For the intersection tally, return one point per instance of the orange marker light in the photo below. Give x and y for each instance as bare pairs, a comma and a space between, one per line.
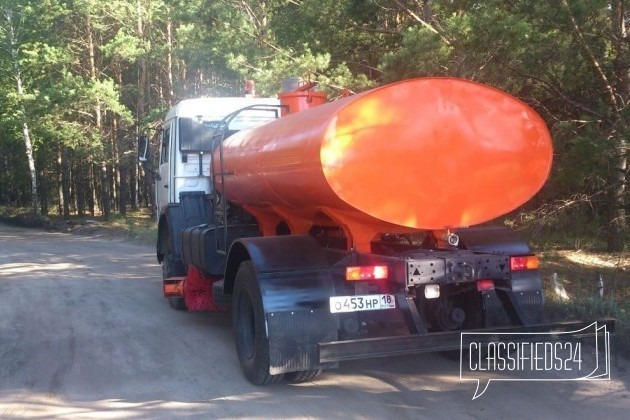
530, 262
369, 272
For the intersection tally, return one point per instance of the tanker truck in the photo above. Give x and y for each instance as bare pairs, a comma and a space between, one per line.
355, 228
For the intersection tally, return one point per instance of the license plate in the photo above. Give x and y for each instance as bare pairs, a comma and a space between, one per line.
361, 303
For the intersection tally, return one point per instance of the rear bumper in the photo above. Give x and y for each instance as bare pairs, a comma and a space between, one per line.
339, 351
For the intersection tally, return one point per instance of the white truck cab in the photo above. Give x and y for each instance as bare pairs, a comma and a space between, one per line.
186, 142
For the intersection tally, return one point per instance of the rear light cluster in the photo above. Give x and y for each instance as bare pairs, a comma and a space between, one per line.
529, 262
367, 272
485, 285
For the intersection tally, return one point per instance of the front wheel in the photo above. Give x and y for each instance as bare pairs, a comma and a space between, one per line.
248, 320
169, 270
177, 303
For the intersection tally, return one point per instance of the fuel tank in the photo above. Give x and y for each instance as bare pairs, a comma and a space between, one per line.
428, 153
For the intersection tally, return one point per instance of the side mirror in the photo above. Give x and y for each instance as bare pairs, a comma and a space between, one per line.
143, 148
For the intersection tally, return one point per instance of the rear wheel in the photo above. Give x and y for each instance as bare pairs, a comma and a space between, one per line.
248, 316
471, 316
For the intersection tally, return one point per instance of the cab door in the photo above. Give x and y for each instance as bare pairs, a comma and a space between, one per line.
163, 184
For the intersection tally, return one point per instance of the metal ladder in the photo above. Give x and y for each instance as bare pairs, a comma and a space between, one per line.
219, 200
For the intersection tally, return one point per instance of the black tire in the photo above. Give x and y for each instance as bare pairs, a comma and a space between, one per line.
177, 303
302, 376
475, 320
248, 322
169, 269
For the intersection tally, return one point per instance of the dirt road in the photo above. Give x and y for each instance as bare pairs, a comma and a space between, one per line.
84, 333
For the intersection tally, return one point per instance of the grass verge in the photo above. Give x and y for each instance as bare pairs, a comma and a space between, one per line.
137, 226
578, 273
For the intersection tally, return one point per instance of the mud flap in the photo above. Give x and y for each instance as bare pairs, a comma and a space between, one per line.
298, 318
296, 285
294, 338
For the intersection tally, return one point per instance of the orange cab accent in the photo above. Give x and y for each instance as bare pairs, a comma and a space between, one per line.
174, 287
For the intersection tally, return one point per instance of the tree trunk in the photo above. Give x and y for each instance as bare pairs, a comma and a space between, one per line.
142, 93
122, 194
31, 165
617, 224
60, 197
44, 187
116, 187
618, 161
14, 51
105, 198
169, 59
106, 209
93, 188
82, 183
64, 184
142, 69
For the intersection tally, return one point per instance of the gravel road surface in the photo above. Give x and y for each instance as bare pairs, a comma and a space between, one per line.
85, 333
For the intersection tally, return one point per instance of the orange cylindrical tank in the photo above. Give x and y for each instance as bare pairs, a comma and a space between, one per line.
429, 153
301, 100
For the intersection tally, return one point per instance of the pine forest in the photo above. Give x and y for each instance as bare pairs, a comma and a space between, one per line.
81, 79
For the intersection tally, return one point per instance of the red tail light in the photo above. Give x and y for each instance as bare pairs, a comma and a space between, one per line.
366, 272
485, 285
529, 262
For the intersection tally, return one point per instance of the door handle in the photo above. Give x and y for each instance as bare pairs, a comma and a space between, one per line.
166, 186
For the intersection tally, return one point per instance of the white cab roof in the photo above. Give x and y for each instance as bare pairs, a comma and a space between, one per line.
214, 108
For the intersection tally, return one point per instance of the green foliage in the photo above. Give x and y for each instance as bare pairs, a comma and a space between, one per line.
348, 31
124, 47
583, 307
305, 64
147, 54
106, 93
422, 53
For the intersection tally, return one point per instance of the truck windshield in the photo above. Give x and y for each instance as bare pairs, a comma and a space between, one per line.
195, 135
